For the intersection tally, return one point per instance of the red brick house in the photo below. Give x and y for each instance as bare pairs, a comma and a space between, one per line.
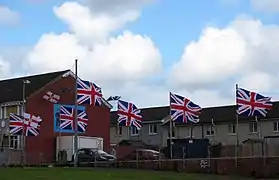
43, 147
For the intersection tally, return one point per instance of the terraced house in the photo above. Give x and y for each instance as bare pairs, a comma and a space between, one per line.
218, 124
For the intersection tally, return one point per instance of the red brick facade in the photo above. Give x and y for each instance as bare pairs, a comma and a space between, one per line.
43, 147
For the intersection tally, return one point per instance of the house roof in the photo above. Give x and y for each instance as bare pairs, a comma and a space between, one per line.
148, 114
11, 89
219, 114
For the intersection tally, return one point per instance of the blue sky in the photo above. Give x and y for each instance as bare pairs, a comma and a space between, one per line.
171, 24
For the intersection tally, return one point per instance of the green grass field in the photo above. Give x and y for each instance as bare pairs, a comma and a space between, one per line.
99, 174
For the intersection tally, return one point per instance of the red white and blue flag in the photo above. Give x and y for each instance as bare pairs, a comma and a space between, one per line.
183, 110
250, 103
67, 119
88, 93
29, 125
129, 114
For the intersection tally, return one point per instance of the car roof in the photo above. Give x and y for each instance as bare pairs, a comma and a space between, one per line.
149, 150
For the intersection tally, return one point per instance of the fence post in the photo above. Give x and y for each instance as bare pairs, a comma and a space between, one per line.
183, 156
137, 159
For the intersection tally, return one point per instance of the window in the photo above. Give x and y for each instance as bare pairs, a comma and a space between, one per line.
253, 127
10, 109
276, 126
231, 128
153, 129
210, 131
119, 130
14, 142
173, 133
134, 131
1, 112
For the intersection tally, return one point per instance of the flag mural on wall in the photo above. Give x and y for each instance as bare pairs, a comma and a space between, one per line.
64, 117
51, 97
88, 93
129, 114
250, 103
184, 110
29, 125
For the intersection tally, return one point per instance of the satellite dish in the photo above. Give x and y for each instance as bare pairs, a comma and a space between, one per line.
3, 123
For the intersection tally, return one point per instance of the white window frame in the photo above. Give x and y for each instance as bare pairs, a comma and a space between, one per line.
119, 130
14, 142
254, 124
189, 129
232, 126
275, 124
173, 133
5, 112
210, 128
1, 112
151, 129
132, 131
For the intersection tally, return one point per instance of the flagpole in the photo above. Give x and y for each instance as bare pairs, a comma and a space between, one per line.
170, 130
259, 128
23, 119
170, 137
75, 119
214, 130
237, 138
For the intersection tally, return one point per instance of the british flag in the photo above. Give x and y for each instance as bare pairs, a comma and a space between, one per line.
88, 93
29, 125
129, 114
183, 110
67, 116
250, 103
51, 97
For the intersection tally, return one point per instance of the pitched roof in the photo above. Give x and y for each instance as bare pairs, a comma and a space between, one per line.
219, 114
148, 114
11, 89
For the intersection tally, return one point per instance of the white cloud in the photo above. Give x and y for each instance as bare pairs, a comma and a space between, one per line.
8, 16
265, 5
127, 57
4, 68
121, 59
157, 95
121, 64
90, 26
225, 56
213, 58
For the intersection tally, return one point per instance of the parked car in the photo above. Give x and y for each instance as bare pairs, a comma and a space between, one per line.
93, 155
143, 154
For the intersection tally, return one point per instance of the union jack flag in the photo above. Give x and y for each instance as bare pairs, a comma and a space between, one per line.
88, 93
67, 118
183, 110
29, 125
129, 114
251, 103
113, 98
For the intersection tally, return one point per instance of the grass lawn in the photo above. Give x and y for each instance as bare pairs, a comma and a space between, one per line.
99, 174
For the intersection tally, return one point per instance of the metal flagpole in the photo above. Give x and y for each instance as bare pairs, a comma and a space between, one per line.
170, 130
237, 138
22, 114
170, 138
258, 126
213, 129
75, 120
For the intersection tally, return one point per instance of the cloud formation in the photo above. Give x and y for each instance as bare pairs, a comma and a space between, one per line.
8, 16
123, 64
